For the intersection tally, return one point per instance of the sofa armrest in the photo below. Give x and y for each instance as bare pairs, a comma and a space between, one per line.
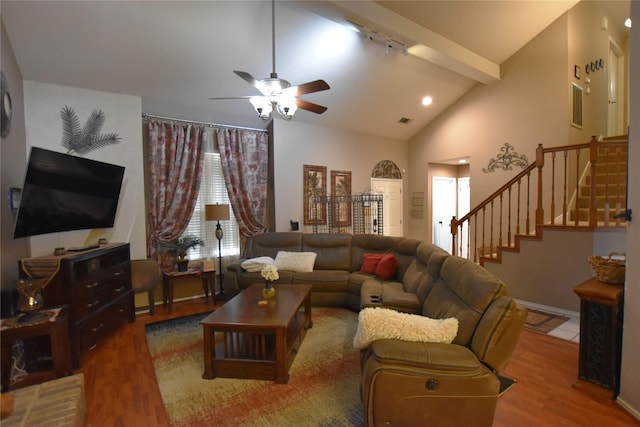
406, 383
236, 266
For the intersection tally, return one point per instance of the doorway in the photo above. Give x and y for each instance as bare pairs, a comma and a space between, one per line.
616, 90
443, 203
391, 190
464, 206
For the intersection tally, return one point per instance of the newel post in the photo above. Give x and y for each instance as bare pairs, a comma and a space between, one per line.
539, 165
454, 234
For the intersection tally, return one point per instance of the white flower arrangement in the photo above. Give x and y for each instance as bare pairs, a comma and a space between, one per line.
270, 273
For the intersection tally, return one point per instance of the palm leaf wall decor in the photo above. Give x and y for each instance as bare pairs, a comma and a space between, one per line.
88, 138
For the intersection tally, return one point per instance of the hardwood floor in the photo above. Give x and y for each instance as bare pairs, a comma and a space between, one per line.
121, 389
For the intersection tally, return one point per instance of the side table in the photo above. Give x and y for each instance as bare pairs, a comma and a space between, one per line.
169, 279
601, 315
56, 326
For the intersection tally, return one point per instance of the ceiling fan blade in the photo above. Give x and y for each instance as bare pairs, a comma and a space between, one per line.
232, 97
309, 87
248, 78
310, 106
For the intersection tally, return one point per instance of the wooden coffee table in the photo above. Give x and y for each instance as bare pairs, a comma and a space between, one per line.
257, 342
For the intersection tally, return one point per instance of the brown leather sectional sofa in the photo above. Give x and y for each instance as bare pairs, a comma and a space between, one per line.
408, 383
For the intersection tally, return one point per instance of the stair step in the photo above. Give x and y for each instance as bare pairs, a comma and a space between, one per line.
612, 178
603, 189
583, 214
584, 202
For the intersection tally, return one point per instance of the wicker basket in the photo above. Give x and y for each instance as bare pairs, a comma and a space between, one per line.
609, 270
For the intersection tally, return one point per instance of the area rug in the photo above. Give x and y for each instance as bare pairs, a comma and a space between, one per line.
323, 388
541, 322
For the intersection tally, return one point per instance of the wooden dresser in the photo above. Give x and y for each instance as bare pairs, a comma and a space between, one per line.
96, 286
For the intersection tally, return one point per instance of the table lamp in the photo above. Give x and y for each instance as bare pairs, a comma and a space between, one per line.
218, 213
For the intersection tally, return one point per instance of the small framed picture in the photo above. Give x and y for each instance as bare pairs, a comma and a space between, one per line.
315, 188
577, 72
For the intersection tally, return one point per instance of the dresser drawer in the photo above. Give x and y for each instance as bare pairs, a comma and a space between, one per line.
104, 322
97, 290
87, 266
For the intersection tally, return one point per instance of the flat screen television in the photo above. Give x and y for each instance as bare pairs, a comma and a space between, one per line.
62, 192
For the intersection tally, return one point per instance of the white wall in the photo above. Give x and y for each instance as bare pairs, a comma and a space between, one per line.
630, 382
43, 103
12, 148
297, 144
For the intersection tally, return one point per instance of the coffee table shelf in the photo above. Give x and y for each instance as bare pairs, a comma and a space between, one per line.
242, 340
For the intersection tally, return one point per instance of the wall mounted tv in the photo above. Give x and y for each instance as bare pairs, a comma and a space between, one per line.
62, 192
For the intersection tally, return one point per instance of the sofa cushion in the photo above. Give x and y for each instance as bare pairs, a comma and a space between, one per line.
387, 267
257, 264
395, 297
295, 261
370, 262
333, 250
268, 244
380, 323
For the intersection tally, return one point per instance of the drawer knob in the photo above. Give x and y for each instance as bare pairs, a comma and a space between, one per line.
93, 304
432, 385
91, 285
97, 328
120, 289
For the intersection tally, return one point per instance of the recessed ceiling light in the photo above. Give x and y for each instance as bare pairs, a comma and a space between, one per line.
627, 23
462, 161
427, 100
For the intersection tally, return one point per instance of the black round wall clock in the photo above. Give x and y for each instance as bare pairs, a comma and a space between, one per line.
5, 107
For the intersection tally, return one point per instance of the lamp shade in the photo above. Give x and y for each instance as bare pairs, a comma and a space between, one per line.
216, 212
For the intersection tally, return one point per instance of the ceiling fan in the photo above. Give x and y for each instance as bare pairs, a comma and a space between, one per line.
278, 93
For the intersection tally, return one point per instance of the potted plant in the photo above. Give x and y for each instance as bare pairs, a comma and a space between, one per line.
181, 245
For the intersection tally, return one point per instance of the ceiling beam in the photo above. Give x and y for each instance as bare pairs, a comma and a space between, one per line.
423, 42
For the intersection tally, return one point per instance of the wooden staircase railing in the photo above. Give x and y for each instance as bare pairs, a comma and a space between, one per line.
573, 186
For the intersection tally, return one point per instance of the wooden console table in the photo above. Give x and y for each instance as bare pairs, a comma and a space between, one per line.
169, 279
601, 316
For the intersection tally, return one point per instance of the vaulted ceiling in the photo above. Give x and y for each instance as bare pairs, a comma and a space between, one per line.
175, 55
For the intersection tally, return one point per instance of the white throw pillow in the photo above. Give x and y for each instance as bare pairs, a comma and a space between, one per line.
256, 264
376, 323
298, 262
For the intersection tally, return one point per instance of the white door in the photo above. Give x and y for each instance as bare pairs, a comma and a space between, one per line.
443, 208
615, 118
391, 189
464, 206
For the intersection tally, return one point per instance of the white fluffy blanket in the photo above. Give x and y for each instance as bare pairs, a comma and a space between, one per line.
375, 323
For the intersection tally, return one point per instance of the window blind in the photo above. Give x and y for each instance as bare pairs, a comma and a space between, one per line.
212, 191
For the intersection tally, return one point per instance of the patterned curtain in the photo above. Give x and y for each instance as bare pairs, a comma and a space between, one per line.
176, 159
244, 156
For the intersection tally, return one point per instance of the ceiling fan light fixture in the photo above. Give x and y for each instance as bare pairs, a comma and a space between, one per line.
262, 106
287, 107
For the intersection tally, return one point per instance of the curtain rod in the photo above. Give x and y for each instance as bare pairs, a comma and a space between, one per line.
146, 116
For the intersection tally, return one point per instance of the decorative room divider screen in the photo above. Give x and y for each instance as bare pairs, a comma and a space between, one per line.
356, 214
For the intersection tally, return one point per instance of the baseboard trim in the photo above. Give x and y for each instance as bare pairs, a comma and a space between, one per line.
549, 309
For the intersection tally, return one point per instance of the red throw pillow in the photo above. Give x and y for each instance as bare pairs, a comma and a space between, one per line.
370, 262
387, 266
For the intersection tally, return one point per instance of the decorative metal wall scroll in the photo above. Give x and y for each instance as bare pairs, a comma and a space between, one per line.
506, 160
89, 137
